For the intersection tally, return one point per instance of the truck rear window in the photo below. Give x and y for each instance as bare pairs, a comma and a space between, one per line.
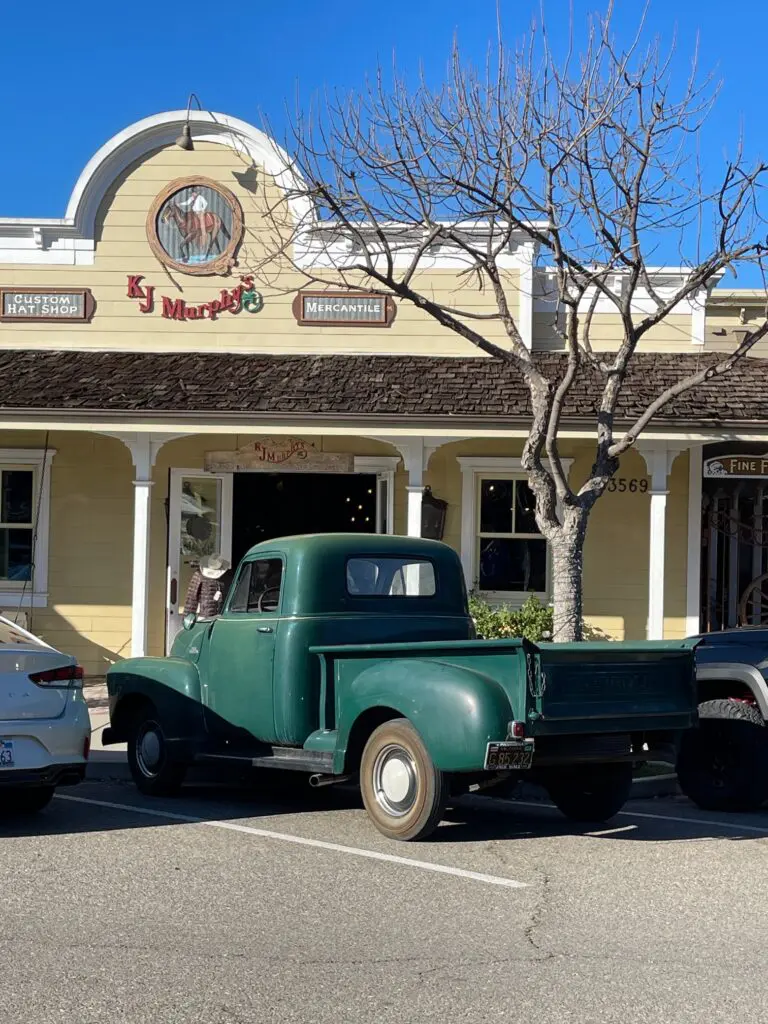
390, 577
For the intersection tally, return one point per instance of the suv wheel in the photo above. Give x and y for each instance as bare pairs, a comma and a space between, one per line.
723, 764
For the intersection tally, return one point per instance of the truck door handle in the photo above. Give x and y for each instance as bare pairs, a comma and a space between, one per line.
263, 629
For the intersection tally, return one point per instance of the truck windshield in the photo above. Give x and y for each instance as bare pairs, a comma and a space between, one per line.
390, 576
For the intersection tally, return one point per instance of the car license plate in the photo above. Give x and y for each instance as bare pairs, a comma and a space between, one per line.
504, 756
6, 753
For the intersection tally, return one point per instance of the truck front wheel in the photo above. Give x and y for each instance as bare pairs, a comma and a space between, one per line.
590, 793
154, 770
403, 792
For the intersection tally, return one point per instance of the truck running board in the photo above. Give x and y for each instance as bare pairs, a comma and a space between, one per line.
291, 758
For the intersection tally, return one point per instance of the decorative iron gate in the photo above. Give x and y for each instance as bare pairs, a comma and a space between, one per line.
734, 560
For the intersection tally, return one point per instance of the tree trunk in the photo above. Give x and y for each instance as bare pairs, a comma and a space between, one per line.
567, 576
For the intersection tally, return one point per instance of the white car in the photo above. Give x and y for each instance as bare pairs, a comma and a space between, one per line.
45, 731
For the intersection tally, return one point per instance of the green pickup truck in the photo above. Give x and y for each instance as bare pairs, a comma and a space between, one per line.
355, 657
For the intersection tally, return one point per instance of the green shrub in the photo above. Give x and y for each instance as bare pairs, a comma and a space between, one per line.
533, 620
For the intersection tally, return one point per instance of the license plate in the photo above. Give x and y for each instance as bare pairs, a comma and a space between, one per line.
6, 753
504, 756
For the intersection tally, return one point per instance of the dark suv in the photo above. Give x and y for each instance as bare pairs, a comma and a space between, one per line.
723, 764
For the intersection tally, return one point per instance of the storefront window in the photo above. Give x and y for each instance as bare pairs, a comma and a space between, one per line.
511, 553
16, 524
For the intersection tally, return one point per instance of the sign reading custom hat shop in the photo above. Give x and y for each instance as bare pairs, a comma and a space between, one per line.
737, 467
278, 455
343, 309
46, 305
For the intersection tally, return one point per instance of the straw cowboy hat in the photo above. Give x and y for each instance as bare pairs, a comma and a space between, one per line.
213, 567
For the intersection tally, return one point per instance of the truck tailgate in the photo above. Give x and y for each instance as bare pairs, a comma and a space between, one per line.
613, 687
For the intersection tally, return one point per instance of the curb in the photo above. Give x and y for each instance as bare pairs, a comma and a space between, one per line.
647, 788
107, 766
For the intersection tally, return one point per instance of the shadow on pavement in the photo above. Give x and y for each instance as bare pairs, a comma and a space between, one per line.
263, 794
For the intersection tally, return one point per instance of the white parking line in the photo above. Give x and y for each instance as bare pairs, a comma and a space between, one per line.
734, 825
423, 865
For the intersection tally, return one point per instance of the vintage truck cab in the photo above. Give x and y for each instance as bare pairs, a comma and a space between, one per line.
355, 657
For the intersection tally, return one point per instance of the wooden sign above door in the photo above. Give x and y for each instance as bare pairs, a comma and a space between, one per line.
278, 455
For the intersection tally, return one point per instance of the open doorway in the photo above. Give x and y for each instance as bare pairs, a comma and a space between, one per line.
268, 505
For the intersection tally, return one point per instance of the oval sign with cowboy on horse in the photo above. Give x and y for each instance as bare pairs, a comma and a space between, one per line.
195, 226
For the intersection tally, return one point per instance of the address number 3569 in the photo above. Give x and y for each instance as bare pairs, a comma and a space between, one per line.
632, 486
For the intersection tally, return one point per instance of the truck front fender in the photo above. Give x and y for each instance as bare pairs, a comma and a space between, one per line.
172, 685
736, 672
456, 710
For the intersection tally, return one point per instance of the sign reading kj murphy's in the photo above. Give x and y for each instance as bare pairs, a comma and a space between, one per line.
73, 305
343, 309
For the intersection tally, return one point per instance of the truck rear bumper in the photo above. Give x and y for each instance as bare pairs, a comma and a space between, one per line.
635, 748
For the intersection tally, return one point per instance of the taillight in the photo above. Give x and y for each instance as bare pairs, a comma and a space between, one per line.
68, 675
517, 730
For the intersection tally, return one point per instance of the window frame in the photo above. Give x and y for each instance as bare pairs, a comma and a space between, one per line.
415, 560
33, 593
247, 566
475, 470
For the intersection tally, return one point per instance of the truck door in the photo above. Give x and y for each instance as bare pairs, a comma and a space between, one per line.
237, 673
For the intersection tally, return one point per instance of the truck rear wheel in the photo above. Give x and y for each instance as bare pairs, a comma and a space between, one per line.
591, 793
723, 764
403, 792
152, 766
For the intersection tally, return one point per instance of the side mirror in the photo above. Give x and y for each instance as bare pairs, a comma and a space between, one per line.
189, 620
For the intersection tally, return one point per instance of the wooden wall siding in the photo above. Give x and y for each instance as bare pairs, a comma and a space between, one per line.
726, 319
91, 541
673, 335
91, 544
122, 249
617, 548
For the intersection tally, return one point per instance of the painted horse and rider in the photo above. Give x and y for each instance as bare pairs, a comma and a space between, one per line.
198, 226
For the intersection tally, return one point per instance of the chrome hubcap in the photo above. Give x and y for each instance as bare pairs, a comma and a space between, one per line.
149, 749
395, 780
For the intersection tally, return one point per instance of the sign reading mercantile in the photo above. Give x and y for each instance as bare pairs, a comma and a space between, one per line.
49, 305
736, 467
343, 309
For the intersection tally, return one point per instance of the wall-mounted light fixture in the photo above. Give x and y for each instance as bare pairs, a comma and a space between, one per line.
184, 141
432, 515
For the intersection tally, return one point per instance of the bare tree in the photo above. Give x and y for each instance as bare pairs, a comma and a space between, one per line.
592, 161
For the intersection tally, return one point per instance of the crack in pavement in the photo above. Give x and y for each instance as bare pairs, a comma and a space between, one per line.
537, 915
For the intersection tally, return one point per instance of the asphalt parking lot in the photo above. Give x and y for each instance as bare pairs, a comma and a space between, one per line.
273, 902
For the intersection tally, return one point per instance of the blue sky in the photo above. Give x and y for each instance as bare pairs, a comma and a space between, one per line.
72, 74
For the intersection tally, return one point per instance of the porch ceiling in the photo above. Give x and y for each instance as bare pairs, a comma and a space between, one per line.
356, 388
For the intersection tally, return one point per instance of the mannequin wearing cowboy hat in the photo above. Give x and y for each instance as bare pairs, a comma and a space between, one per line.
208, 587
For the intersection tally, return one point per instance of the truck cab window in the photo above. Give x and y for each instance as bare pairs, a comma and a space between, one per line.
390, 577
258, 586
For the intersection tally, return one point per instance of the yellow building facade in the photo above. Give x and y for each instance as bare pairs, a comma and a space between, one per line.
159, 402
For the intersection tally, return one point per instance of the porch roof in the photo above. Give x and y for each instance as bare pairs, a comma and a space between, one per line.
357, 387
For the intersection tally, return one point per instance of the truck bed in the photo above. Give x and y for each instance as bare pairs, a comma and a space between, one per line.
557, 689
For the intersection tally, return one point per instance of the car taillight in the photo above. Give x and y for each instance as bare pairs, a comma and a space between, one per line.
68, 675
517, 730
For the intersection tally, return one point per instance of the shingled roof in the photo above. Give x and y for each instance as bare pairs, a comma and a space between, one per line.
355, 386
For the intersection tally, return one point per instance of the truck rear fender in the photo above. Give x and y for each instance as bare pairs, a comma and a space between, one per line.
732, 679
170, 685
456, 710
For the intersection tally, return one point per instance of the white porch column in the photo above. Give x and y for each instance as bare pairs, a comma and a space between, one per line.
414, 459
416, 453
658, 460
142, 487
143, 449
693, 570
